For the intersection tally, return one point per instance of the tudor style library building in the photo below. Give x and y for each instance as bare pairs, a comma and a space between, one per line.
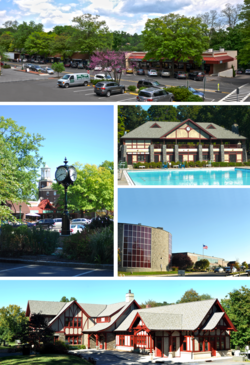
194, 330
183, 141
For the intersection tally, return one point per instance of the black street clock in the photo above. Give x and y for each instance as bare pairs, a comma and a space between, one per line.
65, 175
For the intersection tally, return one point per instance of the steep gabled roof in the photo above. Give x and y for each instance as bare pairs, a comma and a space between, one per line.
213, 321
145, 130
188, 316
112, 308
93, 309
45, 307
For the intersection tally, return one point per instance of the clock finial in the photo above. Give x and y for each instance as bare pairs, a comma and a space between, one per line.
65, 161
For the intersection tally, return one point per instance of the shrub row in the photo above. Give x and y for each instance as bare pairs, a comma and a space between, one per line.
16, 241
6, 66
191, 164
183, 94
94, 82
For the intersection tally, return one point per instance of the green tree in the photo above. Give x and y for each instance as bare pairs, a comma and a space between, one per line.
189, 296
133, 116
202, 264
6, 41
181, 261
237, 307
58, 67
90, 34
24, 30
244, 55
244, 263
67, 30
39, 42
21, 151
11, 319
60, 44
92, 190
162, 113
108, 165
175, 37
66, 300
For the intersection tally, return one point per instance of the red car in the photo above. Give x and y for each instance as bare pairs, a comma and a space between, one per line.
67, 64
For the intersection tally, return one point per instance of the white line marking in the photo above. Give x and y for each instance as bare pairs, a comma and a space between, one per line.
84, 273
127, 99
90, 94
16, 268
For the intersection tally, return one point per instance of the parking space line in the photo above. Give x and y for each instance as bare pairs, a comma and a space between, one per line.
15, 268
126, 99
84, 273
90, 94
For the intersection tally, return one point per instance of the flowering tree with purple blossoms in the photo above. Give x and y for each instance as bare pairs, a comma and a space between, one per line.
114, 59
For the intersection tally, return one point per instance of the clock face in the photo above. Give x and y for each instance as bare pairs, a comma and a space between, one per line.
72, 173
61, 174
188, 129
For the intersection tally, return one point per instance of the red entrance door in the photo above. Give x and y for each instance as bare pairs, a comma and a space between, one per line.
158, 347
213, 346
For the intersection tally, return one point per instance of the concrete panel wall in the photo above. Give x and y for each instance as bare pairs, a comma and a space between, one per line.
159, 250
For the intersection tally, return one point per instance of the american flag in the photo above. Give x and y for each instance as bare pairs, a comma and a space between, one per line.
205, 247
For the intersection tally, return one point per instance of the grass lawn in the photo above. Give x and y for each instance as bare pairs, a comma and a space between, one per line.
43, 359
148, 273
10, 344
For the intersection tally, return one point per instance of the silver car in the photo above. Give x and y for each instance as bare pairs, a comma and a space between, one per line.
154, 94
165, 73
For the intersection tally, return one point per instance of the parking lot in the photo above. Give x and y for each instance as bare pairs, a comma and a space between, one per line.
32, 270
20, 87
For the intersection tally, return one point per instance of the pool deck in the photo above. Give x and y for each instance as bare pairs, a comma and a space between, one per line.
122, 181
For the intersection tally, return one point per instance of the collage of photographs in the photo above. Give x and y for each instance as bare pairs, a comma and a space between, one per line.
124, 182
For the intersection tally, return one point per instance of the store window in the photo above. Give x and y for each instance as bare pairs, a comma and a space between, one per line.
121, 340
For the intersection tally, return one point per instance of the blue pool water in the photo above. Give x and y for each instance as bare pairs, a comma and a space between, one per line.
203, 177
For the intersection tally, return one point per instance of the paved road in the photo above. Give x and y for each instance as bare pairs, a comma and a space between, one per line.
18, 86
17, 270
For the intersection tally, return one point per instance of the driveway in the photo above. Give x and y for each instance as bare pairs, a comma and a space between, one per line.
106, 357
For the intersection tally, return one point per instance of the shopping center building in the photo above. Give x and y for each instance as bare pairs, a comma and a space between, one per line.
188, 331
183, 141
144, 248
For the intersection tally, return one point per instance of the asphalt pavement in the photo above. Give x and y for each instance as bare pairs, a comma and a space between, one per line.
20, 87
33, 270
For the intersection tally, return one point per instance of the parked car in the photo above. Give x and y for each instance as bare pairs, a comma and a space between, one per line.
247, 71
80, 65
154, 94
152, 73
140, 71
30, 224
24, 60
196, 75
193, 91
149, 83
88, 67
58, 223
41, 61
74, 65
36, 68
107, 88
67, 64
28, 65
103, 77
219, 269
180, 75
165, 73
48, 223
49, 70
230, 269
129, 71
74, 228
108, 69
98, 68
74, 79
80, 221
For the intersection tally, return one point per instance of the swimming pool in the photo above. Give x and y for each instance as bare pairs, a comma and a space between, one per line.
203, 177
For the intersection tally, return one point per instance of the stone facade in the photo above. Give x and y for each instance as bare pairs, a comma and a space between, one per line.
151, 151
211, 152
176, 152
110, 341
222, 156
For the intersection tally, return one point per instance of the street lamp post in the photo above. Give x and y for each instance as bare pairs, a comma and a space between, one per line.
20, 210
65, 175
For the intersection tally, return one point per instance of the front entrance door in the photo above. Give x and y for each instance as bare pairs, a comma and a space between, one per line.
212, 344
176, 346
158, 347
129, 159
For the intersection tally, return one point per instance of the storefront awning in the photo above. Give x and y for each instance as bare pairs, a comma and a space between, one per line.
217, 60
136, 58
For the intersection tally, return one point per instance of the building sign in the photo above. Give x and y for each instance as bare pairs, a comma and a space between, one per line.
48, 211
34, 211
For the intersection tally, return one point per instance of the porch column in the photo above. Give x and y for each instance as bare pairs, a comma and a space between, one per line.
244, 154
97, 338
89, 341
200, 152
151, 347
124, 153
176, 153
151, 152
222, 156
164, 155
211, 152
105, 343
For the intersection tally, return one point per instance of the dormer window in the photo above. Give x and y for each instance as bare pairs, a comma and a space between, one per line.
210, 127
155, 126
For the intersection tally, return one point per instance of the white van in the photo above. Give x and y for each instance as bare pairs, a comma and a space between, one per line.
74, 79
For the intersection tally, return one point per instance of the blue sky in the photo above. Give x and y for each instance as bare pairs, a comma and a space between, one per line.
218, 218
111, 291
126, 15
81, 133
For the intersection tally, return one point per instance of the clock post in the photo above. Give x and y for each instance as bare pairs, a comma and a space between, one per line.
65, 175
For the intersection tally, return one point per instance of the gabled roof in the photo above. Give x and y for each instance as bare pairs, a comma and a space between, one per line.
93, 309
45, 307
213, 321
112, 308
104, 326
66, 305
145, 130
188, 316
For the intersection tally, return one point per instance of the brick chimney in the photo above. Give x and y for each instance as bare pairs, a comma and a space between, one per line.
129, 296
148, 306
235, 128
